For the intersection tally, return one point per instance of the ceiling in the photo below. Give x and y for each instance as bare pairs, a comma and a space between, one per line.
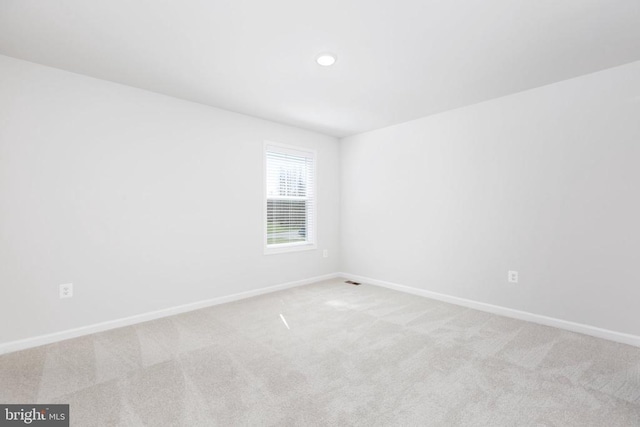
397, 59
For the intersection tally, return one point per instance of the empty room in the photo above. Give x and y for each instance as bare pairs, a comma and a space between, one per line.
305, 213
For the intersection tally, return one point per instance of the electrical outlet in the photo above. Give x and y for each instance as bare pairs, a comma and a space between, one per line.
513, 276
325, 253
66, 290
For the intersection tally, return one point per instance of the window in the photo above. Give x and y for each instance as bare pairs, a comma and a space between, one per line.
290, 203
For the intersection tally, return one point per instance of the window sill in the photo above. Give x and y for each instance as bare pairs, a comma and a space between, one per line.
289, 247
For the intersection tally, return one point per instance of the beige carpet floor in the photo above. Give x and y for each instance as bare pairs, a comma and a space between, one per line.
332, 354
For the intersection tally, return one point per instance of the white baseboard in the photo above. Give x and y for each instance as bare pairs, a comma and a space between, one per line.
12, 346
504, 311
490, 308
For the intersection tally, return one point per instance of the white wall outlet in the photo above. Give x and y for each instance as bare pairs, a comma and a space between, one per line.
66, 290
513, 276
325, 253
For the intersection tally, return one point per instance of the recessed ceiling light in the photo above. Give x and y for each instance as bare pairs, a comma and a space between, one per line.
326, 59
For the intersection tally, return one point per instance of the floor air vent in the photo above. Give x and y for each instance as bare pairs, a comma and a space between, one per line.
351, 282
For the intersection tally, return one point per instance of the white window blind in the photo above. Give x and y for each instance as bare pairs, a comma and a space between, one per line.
290, 198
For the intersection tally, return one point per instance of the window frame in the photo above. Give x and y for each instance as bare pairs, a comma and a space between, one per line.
311, 232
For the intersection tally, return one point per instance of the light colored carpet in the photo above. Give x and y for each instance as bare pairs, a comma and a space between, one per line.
332, 354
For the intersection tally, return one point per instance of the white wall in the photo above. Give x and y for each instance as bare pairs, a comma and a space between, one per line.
142, 201
545, 182
128, 195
